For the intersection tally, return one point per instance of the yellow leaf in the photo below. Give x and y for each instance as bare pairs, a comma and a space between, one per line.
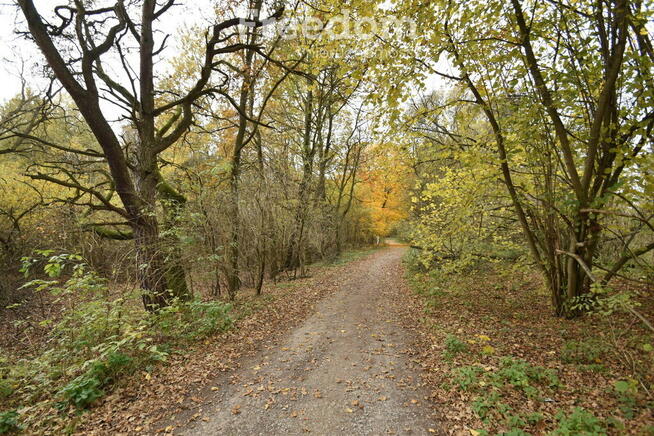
488, 349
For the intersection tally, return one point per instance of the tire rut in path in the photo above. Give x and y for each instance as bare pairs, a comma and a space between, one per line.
344, 371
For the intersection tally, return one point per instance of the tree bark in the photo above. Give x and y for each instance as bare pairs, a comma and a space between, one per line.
247, 89
294, 255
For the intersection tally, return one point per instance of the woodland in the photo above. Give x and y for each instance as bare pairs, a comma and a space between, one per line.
163, 181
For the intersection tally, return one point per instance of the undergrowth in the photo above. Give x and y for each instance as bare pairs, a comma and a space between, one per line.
520, 370
99, 338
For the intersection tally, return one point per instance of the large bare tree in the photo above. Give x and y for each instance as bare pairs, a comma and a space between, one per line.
85, 46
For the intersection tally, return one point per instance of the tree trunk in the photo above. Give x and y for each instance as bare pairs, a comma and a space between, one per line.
232, 249
293, 257
247, 88
150, 262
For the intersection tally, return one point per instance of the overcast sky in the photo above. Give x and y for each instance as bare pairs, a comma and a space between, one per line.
15, 50
13, 47
9, 53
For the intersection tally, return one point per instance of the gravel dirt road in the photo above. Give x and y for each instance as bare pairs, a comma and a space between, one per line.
346, 370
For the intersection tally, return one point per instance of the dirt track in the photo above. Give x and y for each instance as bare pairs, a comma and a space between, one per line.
344, 371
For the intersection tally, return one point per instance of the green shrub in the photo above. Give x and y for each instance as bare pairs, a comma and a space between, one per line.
534, 417
83, 391
432, 298
100, 337
483, 406
5, 388
207, 318
515, 421
626, 392
9, 422
454, 346
87, 388
522, 375
578, 423
6, 383
583, 352
466, 376
593, 367
194, 319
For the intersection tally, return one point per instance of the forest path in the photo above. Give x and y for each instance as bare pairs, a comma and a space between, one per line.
346, 370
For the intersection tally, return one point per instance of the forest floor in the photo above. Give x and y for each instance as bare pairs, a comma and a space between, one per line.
500, 363
372, 346
327, 356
